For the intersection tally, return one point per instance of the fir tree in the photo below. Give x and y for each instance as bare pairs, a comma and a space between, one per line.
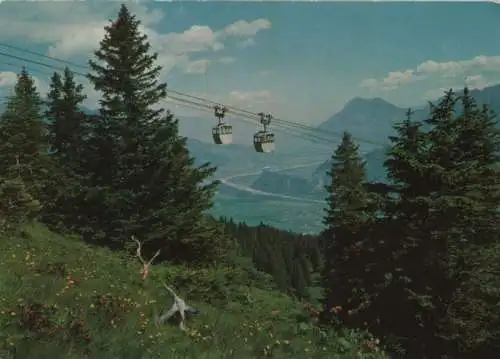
405, 229
143, 177
467, 223
67, 133
347, 218
440, 222
23, 143
67, 125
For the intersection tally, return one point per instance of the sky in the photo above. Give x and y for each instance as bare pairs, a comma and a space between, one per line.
300, 61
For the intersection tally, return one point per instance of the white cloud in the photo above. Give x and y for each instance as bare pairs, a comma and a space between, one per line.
398, 78
7, 78
78, 39
444, 70
73, 29
242, 28
473, 82
454, 68
195, 39
477, 82
392, 81
246, 29
433, 67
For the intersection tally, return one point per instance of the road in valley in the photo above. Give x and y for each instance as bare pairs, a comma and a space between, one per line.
255, 173
227, 182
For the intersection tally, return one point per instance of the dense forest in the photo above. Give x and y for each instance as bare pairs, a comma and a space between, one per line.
412, 267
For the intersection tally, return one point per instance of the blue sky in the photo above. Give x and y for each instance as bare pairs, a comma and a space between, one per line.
299, 61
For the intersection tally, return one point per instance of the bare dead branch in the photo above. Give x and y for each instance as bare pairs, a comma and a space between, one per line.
145, 264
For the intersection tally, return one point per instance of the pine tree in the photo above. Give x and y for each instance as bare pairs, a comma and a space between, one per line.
67, 133
467, 218
445, 210
348, 217
405, 155
67, 121
23, 144
405, 228
475, 154
143, 178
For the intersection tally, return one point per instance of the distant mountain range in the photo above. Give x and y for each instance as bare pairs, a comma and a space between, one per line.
369, 119
372, 119
312, 186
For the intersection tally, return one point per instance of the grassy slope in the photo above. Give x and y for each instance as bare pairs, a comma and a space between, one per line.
81, 301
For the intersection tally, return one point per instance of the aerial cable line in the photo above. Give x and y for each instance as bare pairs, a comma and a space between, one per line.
232, 109
222, 132
283, 129
277, 120
207, 108
204, 107
11, 64
288, 130
38, 63
208, 101
12, 47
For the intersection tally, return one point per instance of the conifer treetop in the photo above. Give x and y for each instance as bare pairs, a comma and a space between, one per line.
125, 72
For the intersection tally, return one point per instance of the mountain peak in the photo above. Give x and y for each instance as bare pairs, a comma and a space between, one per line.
361, 103
370, 118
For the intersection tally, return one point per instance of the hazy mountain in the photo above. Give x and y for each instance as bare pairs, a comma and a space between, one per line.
371, 119
312, 186
384, 115
375, 169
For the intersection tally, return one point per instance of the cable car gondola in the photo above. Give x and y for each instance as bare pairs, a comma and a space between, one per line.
222, 132
263, 140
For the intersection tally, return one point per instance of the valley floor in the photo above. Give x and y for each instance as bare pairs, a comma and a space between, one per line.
298, 216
